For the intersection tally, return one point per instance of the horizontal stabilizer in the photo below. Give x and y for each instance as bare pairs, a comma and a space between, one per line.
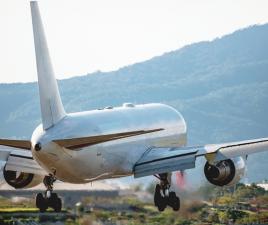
23, 144
76, 143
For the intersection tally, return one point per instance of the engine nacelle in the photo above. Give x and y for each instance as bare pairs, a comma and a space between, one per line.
225, 173
21, 180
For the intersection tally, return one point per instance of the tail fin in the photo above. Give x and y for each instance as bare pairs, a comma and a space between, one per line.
51, 106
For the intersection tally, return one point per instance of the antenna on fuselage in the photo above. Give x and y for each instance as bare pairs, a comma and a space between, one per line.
51, 106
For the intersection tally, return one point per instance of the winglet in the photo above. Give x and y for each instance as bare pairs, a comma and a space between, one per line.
51, 106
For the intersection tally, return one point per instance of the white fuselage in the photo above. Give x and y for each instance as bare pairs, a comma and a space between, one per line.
113, 158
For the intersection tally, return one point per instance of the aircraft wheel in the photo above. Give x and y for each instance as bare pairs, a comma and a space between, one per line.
41, 202
159, 201
174, 201
55, 202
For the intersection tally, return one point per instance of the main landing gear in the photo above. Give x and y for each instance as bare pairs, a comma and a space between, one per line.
162, 196
49, 199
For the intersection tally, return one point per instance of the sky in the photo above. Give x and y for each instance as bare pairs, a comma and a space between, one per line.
86, 36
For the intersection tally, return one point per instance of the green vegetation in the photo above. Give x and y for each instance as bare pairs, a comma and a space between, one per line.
220, 87
23, 203
215, 205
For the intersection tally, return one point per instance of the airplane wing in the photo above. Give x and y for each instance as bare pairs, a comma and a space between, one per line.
163, 160
19, 160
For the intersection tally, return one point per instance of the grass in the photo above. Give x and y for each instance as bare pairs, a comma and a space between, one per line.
17, 209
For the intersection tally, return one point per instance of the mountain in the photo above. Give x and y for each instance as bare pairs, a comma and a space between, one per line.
220, 87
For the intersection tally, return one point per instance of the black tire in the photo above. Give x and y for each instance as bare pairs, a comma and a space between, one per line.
53, 196
156, 194
174, 201
41, 202
159, 201
55, 202
162, 206
58, 205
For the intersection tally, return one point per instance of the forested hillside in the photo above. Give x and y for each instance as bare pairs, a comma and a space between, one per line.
220, 87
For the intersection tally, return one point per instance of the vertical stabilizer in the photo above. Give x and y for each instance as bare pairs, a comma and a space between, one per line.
51, 106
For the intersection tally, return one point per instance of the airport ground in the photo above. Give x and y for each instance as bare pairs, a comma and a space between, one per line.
208, 205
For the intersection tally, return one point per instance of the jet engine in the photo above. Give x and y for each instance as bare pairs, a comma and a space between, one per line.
21, 180
225, 173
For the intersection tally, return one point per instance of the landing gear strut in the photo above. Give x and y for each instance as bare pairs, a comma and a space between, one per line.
162, 196
49, 199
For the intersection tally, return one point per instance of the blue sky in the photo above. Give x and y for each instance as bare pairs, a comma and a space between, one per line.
85, 36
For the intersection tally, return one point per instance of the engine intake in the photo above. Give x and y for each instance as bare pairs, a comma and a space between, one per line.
21, 180
226, 172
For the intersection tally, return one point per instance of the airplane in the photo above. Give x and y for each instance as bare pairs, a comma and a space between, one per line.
140, 140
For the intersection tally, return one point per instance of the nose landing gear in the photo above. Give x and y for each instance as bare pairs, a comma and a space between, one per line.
163, 197
49, 199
